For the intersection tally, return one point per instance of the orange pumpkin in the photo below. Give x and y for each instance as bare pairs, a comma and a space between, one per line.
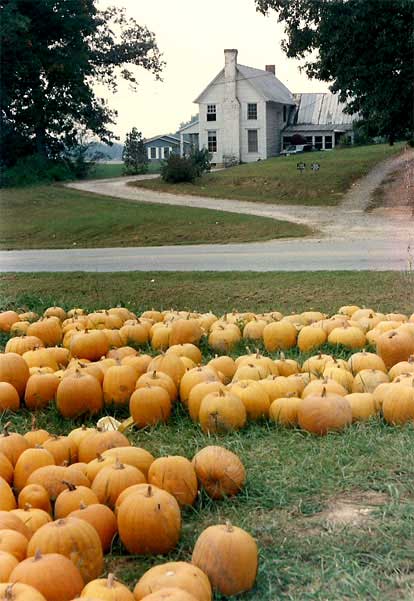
119, 384
112, 480
320, 414
219, 471
174, 574
176, 475
33, 517
139, 458
70, 499
17, 591
101, 518
395, 346
14, 370
40, 390
29, 461
150, 405
13, 542
7, 564
108, 589
7, 500
77, 394
222, 412
9, 397
96, 444
35, 495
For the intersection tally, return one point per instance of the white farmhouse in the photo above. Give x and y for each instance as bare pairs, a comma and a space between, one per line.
247, 114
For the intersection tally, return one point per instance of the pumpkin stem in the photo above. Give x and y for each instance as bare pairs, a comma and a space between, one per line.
149, 491
33, 426
27, 507
6, 429
70, 485
229, 526
323, 392
82, 505
37, 555
282, 356
119, 465
110, 583
8, 593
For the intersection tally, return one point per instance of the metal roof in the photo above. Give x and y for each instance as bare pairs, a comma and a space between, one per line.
321, 109
318, 127
165, 137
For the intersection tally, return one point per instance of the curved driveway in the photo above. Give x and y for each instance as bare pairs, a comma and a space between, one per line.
350, 238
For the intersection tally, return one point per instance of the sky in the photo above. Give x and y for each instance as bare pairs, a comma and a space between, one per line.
192, 35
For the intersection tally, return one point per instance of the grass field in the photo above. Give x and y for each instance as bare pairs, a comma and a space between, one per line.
218, 291
278, 181
333, 516
106, 170
58, 217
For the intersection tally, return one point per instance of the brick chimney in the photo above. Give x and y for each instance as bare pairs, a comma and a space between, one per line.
271, 69
231, 107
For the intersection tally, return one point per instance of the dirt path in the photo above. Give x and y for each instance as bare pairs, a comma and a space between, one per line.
349, 220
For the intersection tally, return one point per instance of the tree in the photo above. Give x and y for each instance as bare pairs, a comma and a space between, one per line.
53, 52
192, 119
134, 154
365, 48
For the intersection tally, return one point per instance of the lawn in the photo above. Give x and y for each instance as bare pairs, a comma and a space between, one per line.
106, 170
218, 291
58, 217
333, 516
278, 180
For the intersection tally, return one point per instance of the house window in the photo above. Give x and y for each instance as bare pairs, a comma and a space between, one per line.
166, 152
252, 111
153, 152
318, 142
328, 142
252, 140
287, 141
309, 140
284, 113
211, 112
212, 141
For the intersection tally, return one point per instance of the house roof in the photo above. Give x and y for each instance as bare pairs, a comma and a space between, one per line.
165, 138
264, 82
291, 129
193, 125
321, 109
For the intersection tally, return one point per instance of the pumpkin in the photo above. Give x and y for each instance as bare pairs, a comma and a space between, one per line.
281, 386
55, 312
17, 591
120, 353
398, 404
48, 330
62, 448
158, 378
9, 397
33, 517
96, 444
101, 518
7, 319
9, 521
197, 393
160, 336
119, 383
339, 375
170, 364
253, 330
14, 370
13, 542
36, 496
284, 410
149, 521
96, 465
188, 350
22, 344
28, 462
311, 337
36, 436
229, 557
224, 365
223, 338
107, 589
135, 333
286, 367
222, 412
395, 346
40, 390
254, 397
7, 500
185, 331
78, 434
70, 499
60, 354
279, 335
403, 367
150, 405
74, 538
170, 594
112, 480
316, 387
52, 574
250, 371
7, 564
363, 405
12, 444
320, 414
174, 574
6, 469
77, 394
363, 360
193, 377
349, 336
219, 471
367, 380
176, 475
139, 458
138, 362
40, 358
91, 345
51, 477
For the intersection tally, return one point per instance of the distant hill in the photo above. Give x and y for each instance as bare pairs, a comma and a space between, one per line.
111, 153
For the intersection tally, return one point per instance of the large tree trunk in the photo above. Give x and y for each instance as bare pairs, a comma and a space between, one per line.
41, 140
392, 138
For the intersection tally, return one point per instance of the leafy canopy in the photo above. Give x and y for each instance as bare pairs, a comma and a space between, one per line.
53, 53
134, 153
365, 48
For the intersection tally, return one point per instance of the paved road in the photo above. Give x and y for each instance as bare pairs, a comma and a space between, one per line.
293, 255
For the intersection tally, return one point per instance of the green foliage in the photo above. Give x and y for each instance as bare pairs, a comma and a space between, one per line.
364, 47
35, 169
53, 53
201, 159
178, 169
134, 154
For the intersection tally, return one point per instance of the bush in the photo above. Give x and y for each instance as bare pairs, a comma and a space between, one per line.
178, 169
201, 160
35, 169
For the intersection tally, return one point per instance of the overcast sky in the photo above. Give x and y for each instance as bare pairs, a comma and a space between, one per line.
192, 35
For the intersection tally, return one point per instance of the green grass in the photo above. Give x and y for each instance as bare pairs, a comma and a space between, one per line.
106, 170
278, 181
218, 291
295, 482
59, 217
